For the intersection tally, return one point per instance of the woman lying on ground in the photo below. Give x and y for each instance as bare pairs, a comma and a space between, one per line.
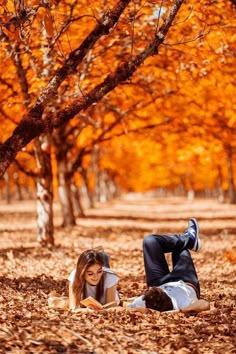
93, 277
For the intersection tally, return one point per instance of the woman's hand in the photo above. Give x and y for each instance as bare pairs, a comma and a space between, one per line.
111, 295
72, 301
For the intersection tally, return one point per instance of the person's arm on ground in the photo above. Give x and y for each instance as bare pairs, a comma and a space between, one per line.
72, 302
111, 295
197, 306
129, 309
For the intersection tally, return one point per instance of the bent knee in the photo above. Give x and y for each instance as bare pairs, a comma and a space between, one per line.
149, 241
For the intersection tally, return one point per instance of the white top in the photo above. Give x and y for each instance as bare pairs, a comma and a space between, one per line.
110, 279
181, 295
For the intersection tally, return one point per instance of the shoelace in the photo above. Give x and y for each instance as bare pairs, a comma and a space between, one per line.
192, 232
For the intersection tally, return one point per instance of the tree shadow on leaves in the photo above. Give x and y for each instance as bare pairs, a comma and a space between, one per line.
40, 284
23, 252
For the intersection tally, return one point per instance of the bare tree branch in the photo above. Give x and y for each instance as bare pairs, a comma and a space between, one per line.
121, 74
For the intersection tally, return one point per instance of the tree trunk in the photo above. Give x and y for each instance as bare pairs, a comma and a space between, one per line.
27, 193
64, 190
111, 188
88, 194
76, 199
17, 186
231, 192
63, 177
103, 187
219, 186
96, 172
44, 191
107, 188
7, 188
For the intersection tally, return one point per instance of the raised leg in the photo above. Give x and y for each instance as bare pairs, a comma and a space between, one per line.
184, 269
156, 267
154, 249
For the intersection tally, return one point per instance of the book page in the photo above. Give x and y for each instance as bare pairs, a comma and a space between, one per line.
91, 303
110, 304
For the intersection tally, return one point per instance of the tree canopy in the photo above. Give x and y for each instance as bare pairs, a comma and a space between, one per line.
150, 82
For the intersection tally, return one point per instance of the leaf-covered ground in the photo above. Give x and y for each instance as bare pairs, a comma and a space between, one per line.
29, 273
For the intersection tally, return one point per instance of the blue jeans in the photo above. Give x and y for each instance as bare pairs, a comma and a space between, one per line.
156, 267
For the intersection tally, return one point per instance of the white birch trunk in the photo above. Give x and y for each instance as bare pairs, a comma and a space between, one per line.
76, 199
45, 234
85, 190
64, 190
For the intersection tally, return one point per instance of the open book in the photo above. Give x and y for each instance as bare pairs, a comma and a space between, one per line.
93, 304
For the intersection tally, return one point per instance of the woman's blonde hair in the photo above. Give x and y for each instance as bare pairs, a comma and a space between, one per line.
86, 260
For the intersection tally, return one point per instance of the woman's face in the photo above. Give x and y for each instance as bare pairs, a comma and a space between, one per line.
93, 274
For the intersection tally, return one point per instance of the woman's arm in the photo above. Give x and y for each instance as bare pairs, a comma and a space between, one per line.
110, 295
72, 302
197, 306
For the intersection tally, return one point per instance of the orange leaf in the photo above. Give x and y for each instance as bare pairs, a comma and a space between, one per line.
48, 23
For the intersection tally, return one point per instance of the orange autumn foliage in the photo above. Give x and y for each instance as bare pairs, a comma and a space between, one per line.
178, 111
